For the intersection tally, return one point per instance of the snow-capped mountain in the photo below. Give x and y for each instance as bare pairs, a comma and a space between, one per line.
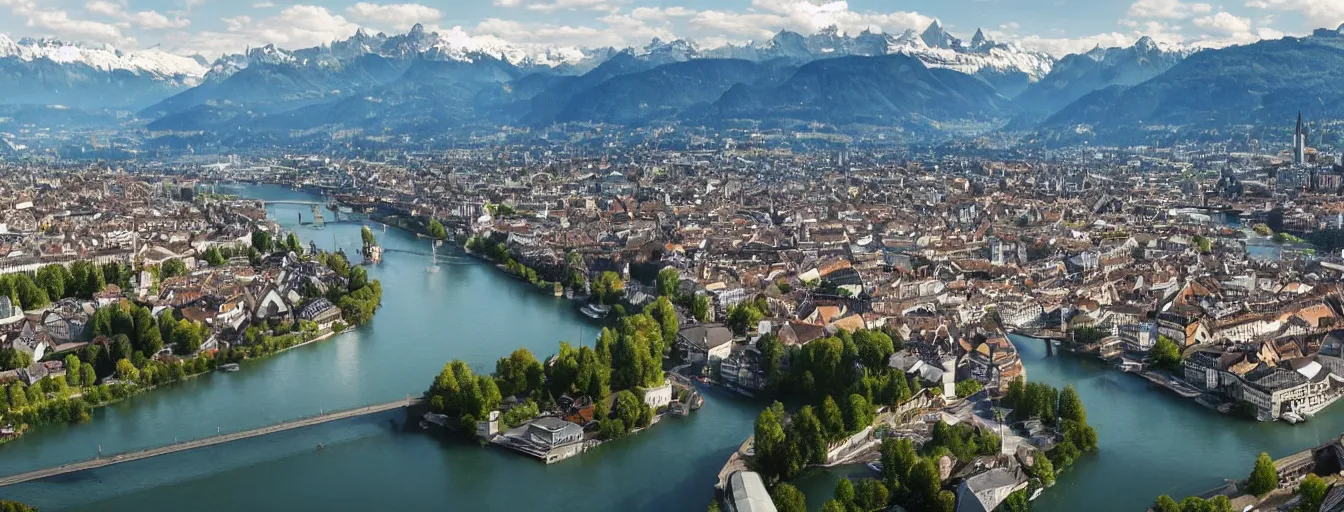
1078, 75
452, 45
1008, 67
155, 63
52, 72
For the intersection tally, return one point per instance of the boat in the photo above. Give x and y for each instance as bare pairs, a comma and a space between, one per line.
1291, 417
1036, 494
875, 466
229, 367
596, 311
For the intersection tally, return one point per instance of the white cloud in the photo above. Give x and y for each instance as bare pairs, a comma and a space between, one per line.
396, 16
144, 19
263, 5
294, 27
507, 3
621, 31
1167, 9
769, 16
58, 23
1224, 23
1317, 13
573, 5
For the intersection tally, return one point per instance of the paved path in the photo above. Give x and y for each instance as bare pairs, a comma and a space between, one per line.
201, 443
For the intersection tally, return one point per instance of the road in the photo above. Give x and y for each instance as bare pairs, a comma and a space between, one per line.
201, 443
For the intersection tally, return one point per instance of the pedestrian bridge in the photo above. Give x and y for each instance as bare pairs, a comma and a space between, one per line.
102, 461
295, 201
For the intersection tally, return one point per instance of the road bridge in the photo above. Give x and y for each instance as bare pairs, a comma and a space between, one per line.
99, 462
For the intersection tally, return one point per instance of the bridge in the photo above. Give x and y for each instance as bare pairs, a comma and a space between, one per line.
99, 462
293, 202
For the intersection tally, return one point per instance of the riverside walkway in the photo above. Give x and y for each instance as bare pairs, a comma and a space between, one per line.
201, 443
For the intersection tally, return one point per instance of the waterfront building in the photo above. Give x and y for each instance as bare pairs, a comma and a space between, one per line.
984, 491
746, 493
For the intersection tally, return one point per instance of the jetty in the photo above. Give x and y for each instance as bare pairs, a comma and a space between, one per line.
99, 462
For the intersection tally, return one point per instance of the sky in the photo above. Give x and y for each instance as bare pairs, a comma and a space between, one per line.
1059, 27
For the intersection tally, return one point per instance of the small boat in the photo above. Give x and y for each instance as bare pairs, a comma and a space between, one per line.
596, 311
229, 367
875, 466
1291, 417
1036, 493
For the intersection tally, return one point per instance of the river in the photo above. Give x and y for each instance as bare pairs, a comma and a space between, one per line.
1150, 441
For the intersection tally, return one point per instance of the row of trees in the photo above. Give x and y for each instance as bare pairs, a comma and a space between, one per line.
626, 357
782, 451
82, 279
1060, 408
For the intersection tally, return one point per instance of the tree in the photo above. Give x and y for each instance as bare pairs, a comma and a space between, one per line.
172, 268
700, 308
1071, 407
519, 373
627, 407
214, 257
968, 387
293, 244
924, 485
87, 377
51, 278
788, 498
743, 317
31, 296
263, 242
1015, 502
859, 414
1312, 492
1166, 504
668, 279
72, 370
1044, 470
771, 444
832, 419
898, 457
833, 506
844, 491
608, 287
871, 495
809, 436
1165, 354
18, 396
366, 235
14, 506
1263, 478
436, 229
126, 371
875, 348
666, 315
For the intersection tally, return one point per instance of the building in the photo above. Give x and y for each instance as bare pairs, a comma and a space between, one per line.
714, 341
984, 491
1300, 142
746, 493
660, 396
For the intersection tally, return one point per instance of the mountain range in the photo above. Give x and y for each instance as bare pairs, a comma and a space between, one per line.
425, 83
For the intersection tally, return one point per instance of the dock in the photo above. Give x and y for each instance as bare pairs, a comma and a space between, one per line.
100, 462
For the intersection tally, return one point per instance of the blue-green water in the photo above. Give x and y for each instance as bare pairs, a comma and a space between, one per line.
1151, 442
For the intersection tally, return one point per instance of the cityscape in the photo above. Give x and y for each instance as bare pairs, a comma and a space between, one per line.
853, 262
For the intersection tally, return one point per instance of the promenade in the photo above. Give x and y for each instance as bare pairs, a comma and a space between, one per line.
201, 443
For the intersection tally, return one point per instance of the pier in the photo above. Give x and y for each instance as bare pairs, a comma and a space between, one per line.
202, 443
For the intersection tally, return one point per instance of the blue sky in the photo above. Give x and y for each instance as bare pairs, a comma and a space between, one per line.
211, 27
